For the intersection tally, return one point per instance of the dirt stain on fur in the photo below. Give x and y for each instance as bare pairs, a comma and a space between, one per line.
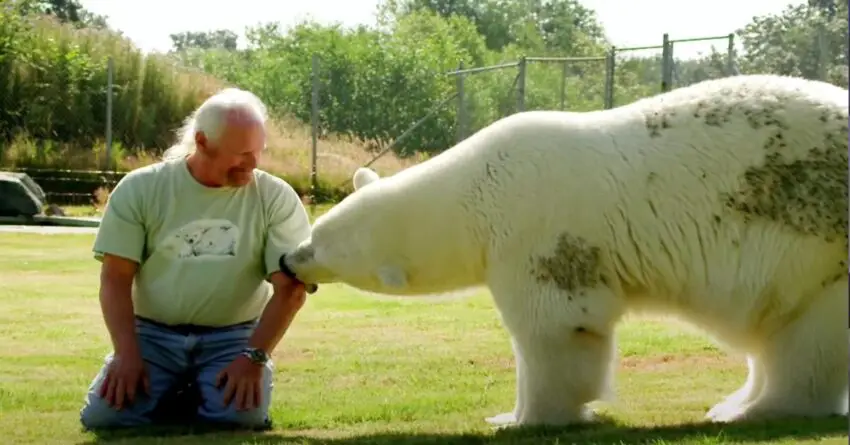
574, 264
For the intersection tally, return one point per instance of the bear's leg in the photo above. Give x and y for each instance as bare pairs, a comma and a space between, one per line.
746, 394
564, 348
506, 419
805, 364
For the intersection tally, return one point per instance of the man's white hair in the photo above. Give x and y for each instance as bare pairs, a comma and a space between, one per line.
211, 118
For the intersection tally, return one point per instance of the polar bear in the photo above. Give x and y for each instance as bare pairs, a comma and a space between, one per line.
723, 204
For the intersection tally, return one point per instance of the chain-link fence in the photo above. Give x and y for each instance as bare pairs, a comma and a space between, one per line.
486, 94
709, 62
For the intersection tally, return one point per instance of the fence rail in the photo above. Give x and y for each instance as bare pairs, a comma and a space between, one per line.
71, 187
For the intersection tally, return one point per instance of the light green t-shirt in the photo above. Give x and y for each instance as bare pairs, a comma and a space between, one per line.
204, 253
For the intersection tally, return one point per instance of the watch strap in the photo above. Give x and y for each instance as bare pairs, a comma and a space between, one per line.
256, 355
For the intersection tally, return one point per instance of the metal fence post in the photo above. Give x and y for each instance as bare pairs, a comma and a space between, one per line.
563, 85
822, 55
314, 123
520, 88
666, 62
610, 64
730, 56
461, 105
109, 81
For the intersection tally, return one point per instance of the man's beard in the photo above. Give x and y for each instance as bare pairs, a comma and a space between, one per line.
238, 177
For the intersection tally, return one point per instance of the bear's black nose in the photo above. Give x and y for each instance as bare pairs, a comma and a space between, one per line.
281, 263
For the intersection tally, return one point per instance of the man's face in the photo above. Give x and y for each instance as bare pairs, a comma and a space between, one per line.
233, 158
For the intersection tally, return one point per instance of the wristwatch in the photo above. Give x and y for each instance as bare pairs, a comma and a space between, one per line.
256, 355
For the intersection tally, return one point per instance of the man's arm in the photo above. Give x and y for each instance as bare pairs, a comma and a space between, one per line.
119, 245
286, 301
288, 226
116, 303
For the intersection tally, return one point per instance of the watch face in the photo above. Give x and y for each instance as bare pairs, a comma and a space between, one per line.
257, 356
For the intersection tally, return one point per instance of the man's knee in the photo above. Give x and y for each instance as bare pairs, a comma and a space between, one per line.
253, 418
97, 414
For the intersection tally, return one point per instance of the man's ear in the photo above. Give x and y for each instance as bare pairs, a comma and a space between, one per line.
202, 143
392, 277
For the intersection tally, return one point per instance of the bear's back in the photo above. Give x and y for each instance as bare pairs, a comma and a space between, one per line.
712, 137
686, 178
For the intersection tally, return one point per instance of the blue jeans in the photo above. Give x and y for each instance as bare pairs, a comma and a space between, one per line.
168, 354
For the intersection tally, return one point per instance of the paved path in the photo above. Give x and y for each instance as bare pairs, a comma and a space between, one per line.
48, 230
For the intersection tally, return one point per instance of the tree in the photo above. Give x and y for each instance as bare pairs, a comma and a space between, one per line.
218, 39
807, 40
66, 11
562, 26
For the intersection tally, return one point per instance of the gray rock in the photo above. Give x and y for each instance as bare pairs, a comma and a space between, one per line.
20, 195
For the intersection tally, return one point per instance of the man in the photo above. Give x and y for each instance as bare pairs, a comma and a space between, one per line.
189, 279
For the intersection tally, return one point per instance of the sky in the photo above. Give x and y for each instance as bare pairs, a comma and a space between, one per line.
627, 22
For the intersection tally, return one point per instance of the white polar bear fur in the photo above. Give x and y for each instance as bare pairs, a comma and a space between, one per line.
644, 187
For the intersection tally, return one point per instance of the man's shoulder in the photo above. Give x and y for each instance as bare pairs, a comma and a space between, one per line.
269, 183
265, 178
139, 183
150, 172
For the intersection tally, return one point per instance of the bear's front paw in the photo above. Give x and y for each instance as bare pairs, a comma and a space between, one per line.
727, 412
560, 418
502, 420
551, 418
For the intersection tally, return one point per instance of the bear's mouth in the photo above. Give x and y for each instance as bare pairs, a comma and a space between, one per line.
284, 268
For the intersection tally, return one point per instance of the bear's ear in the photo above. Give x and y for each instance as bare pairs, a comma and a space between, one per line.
363, 177
392, 277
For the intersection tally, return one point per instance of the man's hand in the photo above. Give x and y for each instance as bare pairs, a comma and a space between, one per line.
243, 382
123, 378
126, 372
243, 379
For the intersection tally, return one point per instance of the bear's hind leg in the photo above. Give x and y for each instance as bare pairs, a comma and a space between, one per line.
749, 392
805, 364
564, 349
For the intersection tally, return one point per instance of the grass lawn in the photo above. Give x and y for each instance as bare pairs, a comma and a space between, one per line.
356, 370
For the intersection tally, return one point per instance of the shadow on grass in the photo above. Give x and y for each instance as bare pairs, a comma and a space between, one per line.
606, 432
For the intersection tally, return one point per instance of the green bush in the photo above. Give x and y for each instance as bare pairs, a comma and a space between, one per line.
53, 86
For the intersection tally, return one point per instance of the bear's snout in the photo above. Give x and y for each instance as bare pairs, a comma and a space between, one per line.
298, 256
302, 254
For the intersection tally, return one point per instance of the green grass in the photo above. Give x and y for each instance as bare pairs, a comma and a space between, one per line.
355, 370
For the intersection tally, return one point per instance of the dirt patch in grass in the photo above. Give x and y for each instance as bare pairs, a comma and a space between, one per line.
500, 363
658, 362
679, 362
290, 355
